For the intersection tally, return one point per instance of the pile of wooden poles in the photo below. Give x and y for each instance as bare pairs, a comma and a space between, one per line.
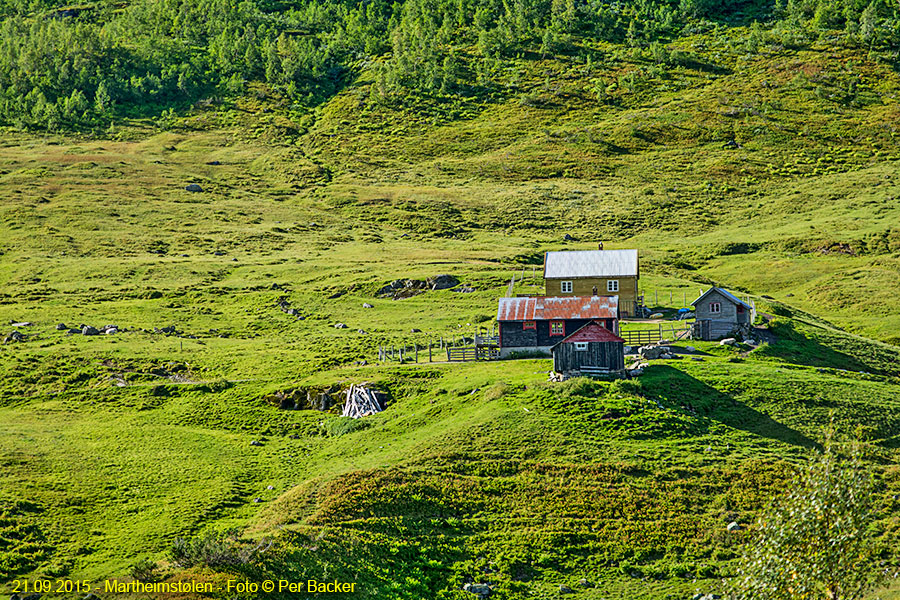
361, 402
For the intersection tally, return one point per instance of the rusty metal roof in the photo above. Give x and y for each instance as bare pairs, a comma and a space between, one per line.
593, 332
591, 263
546, 307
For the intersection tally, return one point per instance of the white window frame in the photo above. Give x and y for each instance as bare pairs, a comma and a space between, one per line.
612, 285
715, 308
565, 287
581, 346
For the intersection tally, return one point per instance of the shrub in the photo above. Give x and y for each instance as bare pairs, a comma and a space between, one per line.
144, 570
216, 550
338, 426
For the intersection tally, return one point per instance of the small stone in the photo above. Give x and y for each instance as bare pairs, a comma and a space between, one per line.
257, 500
218, 253
91, 597
367, 305
340, 326
414, 330
584, 583
568, 238
690, 349
564, 589
88, 330
111, 331
193, 187
270, 487
255, 443
362, 332
61, 327
23, 324
733, 526
728, 342
214, 163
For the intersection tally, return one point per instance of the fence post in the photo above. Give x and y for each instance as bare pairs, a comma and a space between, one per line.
655, 297
429, 351
417, 352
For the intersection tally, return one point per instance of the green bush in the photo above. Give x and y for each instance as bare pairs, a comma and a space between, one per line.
338, 426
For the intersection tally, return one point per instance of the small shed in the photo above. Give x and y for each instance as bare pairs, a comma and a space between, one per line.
720, 314
593, 348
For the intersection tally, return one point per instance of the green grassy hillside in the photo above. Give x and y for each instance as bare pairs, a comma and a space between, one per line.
771, 171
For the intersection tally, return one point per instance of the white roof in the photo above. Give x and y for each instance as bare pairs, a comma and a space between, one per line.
591, 263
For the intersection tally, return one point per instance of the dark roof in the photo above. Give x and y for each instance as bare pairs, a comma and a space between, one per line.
549, 307
592, 332
728, 295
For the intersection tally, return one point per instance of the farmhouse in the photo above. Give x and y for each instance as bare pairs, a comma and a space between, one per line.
536, 324
719, 314
593, 349
592, 273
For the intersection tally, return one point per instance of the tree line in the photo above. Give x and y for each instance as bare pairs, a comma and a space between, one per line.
80, 67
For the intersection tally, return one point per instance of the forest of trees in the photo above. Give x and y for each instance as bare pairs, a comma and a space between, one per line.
84, 66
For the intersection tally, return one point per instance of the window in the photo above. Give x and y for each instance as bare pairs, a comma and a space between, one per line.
565, 287
557, 328
612, 285
740, 309
529, 325
581, 346
715, 307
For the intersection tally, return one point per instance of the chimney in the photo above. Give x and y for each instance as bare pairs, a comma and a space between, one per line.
600, 246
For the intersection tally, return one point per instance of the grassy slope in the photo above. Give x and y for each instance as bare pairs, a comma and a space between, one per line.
629, 486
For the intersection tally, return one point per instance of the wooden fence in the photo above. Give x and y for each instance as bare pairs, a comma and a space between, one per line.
481, 346
641, 337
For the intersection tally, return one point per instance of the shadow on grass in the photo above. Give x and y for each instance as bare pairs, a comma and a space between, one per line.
796, 347
662, 383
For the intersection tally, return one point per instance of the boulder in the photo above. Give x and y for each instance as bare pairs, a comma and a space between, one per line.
214, 163
464, 289
656, 316
650, 352
111, 330
733, 526
626, 349
88, 330
442, 282
193, 187
15, 336
564, 589
636, 372
728, 342
23, 324
479, 589
61, 327
340, 326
